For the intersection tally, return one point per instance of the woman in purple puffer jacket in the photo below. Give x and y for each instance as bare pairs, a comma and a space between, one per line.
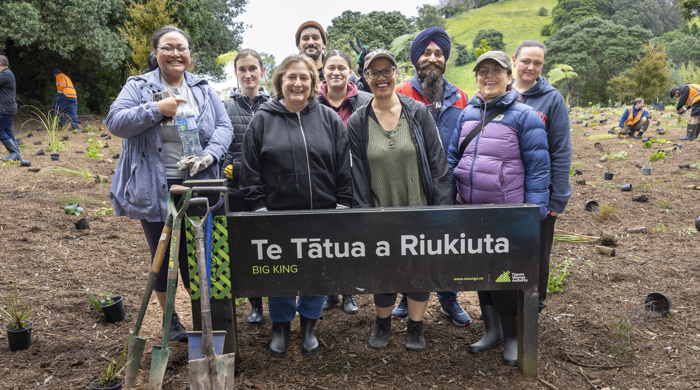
506, 162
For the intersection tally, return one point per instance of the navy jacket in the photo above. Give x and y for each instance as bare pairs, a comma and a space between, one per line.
8, 106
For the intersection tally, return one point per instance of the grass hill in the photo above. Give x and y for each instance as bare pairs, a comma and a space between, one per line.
516, 19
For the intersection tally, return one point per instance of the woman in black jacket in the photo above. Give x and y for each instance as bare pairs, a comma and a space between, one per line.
295, 156
343, 96
240, 107
397, 160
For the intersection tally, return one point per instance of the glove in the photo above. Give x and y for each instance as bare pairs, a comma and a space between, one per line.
362, 51
185, 162
200, 164
228, 171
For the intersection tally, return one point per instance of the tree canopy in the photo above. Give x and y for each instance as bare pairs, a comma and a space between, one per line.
493, 37
600, 49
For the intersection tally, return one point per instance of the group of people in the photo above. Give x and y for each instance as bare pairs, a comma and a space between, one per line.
317, 141
65, 104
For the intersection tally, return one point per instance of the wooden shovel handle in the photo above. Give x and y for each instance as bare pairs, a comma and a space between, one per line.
178, 189
163, 243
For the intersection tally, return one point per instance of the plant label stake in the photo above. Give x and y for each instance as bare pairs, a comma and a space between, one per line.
212, 372
137, 342
160, 354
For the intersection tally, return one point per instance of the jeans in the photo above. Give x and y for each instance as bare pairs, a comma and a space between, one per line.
283, 309
6, 128
68, 107
446, 295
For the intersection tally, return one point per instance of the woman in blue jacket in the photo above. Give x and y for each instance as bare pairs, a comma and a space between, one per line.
635, 118
536, 92
152, 151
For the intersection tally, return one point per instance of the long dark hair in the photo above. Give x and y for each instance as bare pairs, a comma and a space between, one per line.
167, 29
340, 54
531, 43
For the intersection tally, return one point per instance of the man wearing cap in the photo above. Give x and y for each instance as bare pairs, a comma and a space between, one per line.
8, 109
66, 101
429, 54
688, 94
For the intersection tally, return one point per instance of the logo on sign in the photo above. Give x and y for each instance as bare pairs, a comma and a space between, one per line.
504, 278
519, 277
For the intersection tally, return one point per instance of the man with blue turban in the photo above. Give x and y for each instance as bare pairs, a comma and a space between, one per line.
429, 54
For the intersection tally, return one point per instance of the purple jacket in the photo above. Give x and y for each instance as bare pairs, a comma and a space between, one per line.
507, 162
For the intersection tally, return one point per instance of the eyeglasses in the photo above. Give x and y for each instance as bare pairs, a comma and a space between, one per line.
483, 72
170, 50
373, 75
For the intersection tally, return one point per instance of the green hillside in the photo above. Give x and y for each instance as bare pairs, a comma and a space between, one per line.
516, 19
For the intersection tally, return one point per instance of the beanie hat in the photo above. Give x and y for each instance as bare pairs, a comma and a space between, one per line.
310, 23
56, 71
433, 34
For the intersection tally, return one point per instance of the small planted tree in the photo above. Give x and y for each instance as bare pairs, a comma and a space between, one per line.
621, 87
650, 73
478, 51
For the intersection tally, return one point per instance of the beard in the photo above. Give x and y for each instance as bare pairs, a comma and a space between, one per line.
431, 81
313, 56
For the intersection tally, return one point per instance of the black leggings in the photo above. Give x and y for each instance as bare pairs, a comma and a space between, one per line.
506, 302
389, 300
152, 231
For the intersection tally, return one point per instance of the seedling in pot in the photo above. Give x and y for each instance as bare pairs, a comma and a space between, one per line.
99, 300
108, 376
17, 318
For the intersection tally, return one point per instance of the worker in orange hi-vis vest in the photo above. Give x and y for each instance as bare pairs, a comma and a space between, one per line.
635, 118
689, 94
66, 101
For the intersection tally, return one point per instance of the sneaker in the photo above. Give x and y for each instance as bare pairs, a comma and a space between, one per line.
331, 300
414, 336
177, 331
380, 333
350, 304
452, 308
400, 311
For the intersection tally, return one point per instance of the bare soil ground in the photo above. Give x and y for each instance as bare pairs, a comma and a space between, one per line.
57, 267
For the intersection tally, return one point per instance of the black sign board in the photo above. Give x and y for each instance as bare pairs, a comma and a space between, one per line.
357, 251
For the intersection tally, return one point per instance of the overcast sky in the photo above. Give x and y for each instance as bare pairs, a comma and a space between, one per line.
273, 23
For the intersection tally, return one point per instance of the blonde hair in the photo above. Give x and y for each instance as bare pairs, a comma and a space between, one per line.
282, 70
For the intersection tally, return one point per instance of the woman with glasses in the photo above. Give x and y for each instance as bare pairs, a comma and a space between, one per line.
398, 161
498, 154
536, 92
295, 156
243, 102
343, 97
152, 151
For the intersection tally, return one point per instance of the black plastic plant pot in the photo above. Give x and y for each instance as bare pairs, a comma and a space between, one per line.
55, 156
115, 384
609, 175
645, 139
646, 171
19, 339
626, 187
658, 303
25, 163
115, 312
697, 224
592, 205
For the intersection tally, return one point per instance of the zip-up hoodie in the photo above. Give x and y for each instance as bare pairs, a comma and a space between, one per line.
293, 161
354, 99
549, 102
240, 111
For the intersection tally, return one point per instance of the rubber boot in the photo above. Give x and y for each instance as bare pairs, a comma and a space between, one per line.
280, 334
255, 314
688, 134
350, 304
13, 149
380, 334
309, 343
493, 335
331, 300
696, 131
510, 340
639, 135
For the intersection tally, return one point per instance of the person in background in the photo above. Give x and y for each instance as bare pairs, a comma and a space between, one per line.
397, 161
506, 161
688, 94
243, 102
295, 156
152, 149
429, 54
343, 97
536, 92
8, 109
311, 41
66, 100
635, 118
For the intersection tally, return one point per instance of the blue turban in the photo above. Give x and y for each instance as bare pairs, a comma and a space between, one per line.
433, 34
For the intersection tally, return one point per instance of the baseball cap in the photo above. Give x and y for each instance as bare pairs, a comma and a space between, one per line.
376, 54
498, 56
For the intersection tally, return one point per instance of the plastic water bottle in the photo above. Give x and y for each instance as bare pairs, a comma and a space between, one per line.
186, 123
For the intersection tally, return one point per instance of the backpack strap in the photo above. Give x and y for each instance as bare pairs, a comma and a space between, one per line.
496, 112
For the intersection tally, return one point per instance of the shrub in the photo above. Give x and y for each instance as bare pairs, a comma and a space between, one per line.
543, 12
